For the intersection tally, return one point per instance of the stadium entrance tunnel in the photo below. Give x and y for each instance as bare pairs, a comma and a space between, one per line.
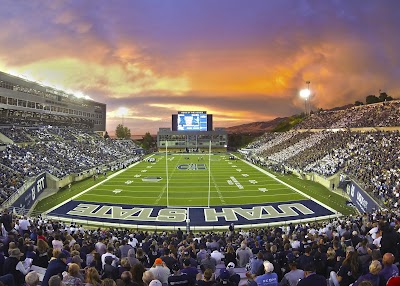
200, 218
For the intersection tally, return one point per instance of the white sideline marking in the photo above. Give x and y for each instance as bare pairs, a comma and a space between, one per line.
92, 187
291, 187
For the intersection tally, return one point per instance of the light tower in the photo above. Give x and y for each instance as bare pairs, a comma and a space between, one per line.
122, 111
305, 94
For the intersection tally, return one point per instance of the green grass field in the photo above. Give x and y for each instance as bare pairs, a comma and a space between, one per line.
231, 182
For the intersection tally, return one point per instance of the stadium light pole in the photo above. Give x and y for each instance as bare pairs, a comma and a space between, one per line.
305, 94
122, 111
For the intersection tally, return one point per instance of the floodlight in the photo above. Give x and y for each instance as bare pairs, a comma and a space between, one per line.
305, 93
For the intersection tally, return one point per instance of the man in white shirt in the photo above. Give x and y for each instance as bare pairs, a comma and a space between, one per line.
218, 256
109, 252
24, 225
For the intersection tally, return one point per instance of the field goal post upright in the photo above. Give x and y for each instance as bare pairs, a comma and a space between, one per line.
166, 170
209, 175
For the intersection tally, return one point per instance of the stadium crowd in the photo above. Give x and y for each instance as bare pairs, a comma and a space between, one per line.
337, 252
371, 115
58, 151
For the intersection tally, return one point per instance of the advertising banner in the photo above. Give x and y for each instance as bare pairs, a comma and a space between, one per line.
26, 200
362, 201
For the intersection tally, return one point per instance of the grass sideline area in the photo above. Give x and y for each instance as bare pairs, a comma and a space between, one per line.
232, 182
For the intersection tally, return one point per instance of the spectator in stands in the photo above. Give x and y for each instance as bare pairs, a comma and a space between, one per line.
207, 279
13, 265
109, 270
160, 271
56, 267
73, 276
208, 263
190, 271
389, 269
311, 278
292, 277
256, 263
92, 277
269, 278
132, 257
177, 278
349, 271
137, 273
126, 279
243, 255
230, 256
372, 276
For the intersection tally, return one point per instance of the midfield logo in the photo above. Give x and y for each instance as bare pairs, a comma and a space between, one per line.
192, 167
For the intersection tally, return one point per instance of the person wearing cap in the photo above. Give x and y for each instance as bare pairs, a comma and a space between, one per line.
13, 265
311, 278
190, 270
160, 271
223, 278
293, 276
186, 256
177, 277
56, 267
155, 282
389, 269
269, 278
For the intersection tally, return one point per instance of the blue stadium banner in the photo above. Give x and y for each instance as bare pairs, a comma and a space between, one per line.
26, 200
362, 201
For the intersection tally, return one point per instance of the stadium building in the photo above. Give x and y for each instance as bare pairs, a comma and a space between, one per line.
23, 101
192, 131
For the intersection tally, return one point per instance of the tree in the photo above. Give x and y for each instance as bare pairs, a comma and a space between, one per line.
358, 103
123, 132
148, 141
383, 96
371, 99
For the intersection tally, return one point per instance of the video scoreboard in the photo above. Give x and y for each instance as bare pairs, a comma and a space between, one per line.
192, 121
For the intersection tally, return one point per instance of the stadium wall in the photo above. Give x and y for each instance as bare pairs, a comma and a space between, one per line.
361, 199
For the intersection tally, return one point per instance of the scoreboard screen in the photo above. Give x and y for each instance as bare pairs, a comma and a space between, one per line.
192, 121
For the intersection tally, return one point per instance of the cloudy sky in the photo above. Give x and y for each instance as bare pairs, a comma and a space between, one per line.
241, 60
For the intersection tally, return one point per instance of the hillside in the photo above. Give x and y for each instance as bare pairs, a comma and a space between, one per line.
257, 127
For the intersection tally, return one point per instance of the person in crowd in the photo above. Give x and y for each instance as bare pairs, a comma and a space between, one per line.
190, 271
109, 270
137, 272
230, 256
73, 277
389, 269
56, 267
349, 271
92, 277
292, 277
243, 255
269, 278
256, 263
148, 276
311, 277
372, 276
207, 279
178, 278
32, 279
160, 271
13, 265
208, 263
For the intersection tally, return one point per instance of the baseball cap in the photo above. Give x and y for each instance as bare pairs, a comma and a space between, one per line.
155, 283
224, 274
230, 265
158, 261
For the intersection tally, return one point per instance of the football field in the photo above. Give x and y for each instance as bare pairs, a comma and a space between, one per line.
189, 181
207, 191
